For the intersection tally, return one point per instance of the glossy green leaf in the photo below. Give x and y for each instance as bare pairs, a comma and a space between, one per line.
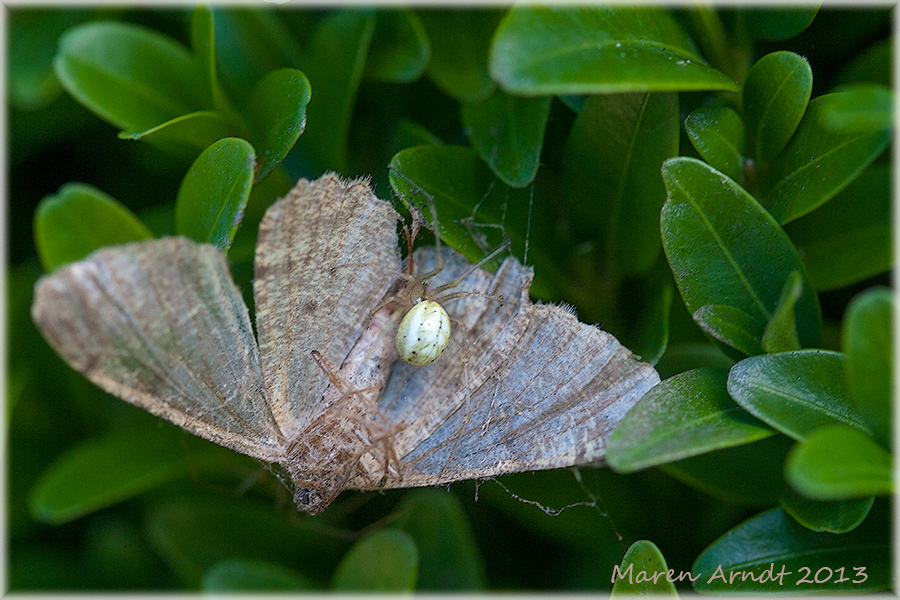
777, 552
611, 174
214, 193
460, 40
203, 43
335, 65
129, 76
188, 134
724, 248
868, 344
249, 575
508, 134
643, 572
796, 392
383, 561
278, 115
104, 471
685, 415
448, 554
717, 133
193, 534
775, 96
400, 47
731, 326
836, 463
816, 164
540, 50
834, 516
781, 330
684, 356
747, 475
849, 238
779, 23
78, 220
859, 108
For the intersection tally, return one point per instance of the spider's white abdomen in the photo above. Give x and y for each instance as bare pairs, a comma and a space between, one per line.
423, 333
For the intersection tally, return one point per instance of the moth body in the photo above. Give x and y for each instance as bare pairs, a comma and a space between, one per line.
423, 333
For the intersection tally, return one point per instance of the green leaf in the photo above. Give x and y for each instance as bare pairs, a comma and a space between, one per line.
717, 133
78, 220
859, 108
837, 463
796, 392
104, 471
187, 135
508, 133
781, 23
747, 475
685, 415
731, 326
249, 575
816, 164
772, 542
460, 40
611, 174
834, 516
724, 248
278, 113
448, 555
872, 65
335, 65
781, 331
867, 342
849, 238
650, 338
775, 96
214, 193
597, 50
642, 573
400, 47
383, 561
684, 356
132, 77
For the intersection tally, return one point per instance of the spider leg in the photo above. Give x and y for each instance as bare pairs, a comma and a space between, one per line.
458, 280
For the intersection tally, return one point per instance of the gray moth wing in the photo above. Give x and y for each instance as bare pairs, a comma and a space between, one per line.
521, 387
161, 325
326, 255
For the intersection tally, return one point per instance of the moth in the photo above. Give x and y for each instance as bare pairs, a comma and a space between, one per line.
319, 389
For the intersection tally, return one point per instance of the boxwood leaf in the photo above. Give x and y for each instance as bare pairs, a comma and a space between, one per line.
867, 342
873, 65
78, 220
278, 113
597, 50
859, 108
383, 561
214, 193
334, 66
684, 356
724, 248
508, 133
448, 555
253, 575
836, 463
717, 133
103, 471
834, 516
459, 50
642, 557
817, 164
849, 238
400, 47
854, 562
130, 76
775, 96
187, 135
650, 337
731, 326
611, 174
781, 330
779, 23
796, 392
685, 415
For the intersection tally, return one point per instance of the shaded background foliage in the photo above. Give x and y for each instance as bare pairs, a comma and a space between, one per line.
575, 165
